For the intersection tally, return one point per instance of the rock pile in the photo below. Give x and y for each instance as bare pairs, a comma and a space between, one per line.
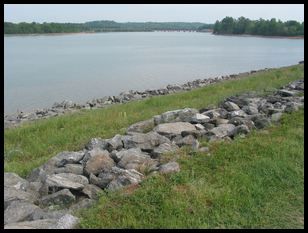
72, 180
69, 106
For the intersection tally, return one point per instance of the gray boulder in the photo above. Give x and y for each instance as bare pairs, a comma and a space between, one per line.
136, 159
176, 128
124, 177
170, 167
103, 180
239, 130
55, 182
286, 93
68, 157
99, 161
145, 142
237, 113
142, 126
91, 191
96, 143
62, 198
230, 106
175, 116
163, 149
12, 194
70, 168
199, 118
250, 109
222, 130
19, 211
115, 143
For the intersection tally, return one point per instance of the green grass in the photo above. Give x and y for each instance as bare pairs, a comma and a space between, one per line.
253, 182
32, 144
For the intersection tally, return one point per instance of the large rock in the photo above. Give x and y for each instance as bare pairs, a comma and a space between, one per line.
100, 161
222, 130
237, 113
96, 143
250, 109
175, 116
55, 182
239, 130
91, 191
286, 93
170, 167
187, 140
172, 129
19, 211
142, 126
70, 168
12, 194
124, 177
230, 106
163, 149
13, 180
199, 118
103, 180
145, 142
135, 159
260, 121
115, 143
67, 221
68, 157
74, 178
62, 198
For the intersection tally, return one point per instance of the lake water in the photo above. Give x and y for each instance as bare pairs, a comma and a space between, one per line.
41, 70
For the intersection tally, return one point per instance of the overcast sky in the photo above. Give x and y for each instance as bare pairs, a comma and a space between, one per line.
205, 13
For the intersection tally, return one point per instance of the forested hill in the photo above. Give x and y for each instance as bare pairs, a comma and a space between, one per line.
261, 27
98, 26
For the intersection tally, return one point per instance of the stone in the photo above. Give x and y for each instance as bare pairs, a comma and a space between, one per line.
239, 121
261, 121
199, 118
70, 168
286, 93
163, 149
218, 121
115, 143
213, 113
276, 117
99, 162
74, 178
145, 142
142, 126
250, 109
188, 140
170, 167
176, 128
208, 126
230, 106
103, 180
68, 157
195, 133
91, 191
19, 211
175, 116
37, 224
124, 178
239, 130
62, 198
12, 194
290, 107
56, 181
222, 130
13, 180
199, 127
134, 158
66, 222
237, 113
96, 143
83, 203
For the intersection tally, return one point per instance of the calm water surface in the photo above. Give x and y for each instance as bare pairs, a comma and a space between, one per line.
41, 70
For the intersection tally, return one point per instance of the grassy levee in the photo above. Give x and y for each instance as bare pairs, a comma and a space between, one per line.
32, 144
252, 182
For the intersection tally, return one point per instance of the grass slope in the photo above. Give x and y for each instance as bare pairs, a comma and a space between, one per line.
255, 182
32, 144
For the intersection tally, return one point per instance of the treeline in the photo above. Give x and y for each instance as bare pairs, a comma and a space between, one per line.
96, 26
262, 27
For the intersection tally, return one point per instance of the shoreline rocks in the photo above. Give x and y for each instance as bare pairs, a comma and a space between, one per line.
72, 180
67, 106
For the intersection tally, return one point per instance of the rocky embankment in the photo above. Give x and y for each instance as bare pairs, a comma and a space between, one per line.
69, 181
124, 97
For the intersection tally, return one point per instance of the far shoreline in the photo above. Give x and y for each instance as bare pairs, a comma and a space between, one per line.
92, 32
